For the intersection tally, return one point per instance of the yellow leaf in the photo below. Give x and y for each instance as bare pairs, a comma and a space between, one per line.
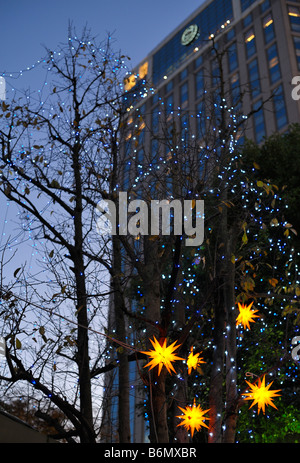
245, 238
273, 282
18, 344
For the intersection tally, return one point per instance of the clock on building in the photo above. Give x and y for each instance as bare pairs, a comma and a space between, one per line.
190, 34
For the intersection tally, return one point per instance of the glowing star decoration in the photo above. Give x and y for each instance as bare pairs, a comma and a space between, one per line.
246, 315
193, 417
261, 394
162, 355
193, 361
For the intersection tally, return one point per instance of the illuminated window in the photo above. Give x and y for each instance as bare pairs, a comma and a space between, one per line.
294, 15
274, 69
268, 26
129, 82
143, 70
250, 43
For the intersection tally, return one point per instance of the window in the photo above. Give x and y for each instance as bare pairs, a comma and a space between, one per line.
199, 61
155, 98
140, 161
248, 20
184, 94
294, 15
297, 49
265, 5
169, 86
230, 35
126, 175
274, 69
169, 104
254, 78
280, 109
154, 149
235, 90
155, 119
215, 73
246, 3
199, 84
259, 122
184, 129
268, 26
201, 119
232, 58
250, 43
183, 74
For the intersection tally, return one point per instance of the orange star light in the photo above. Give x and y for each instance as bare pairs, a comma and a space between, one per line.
193, 361
246, 315
193, 417
162, 355
261, 394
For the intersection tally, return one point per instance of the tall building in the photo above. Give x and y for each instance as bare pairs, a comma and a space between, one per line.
261, 45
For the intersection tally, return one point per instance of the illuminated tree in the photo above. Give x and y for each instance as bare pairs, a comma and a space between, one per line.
54, 167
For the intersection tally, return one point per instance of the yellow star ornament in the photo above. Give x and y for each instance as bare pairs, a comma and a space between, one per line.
246, 315
162, 355
193, 417
193, 361
261, 394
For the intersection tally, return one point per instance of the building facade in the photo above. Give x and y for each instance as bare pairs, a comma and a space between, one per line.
259, 42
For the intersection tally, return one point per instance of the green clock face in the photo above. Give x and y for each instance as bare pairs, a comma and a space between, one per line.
189, 34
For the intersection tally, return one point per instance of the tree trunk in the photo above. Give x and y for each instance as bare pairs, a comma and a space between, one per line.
81, 308
216, 381
231, 373
158, 402
123, 365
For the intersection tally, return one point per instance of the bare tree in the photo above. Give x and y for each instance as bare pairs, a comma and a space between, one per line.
54, 166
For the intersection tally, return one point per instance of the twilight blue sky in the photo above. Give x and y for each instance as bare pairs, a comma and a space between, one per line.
28, 25
138, 26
